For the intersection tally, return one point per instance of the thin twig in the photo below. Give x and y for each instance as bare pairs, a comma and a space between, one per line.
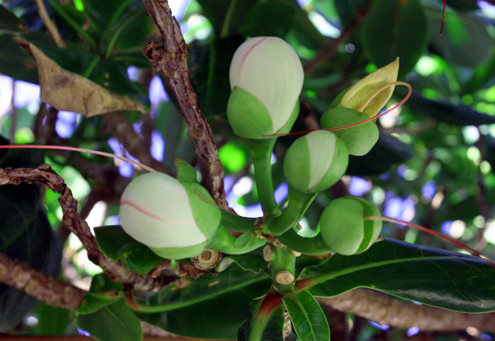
50, 26
38, 285
329, 50
170, 61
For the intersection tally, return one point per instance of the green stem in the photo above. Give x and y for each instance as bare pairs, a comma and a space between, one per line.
292, 214
72, 22
228, 19
237, 223
224, 242
308, 246
283, 260
261, 151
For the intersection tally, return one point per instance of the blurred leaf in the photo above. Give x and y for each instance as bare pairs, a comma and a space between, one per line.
68, 91
387, 152
51, 320
435, 277
226, 15
269, 18
213, 306
25, 234
465, 40
113, 322
463, 5
130, 22
307, 317
457, 114
118, 245
15, 63
394, 29
9, 23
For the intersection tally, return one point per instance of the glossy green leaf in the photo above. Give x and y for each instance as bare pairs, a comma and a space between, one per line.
266, 321
9, 23
51, 320
252, 261
308, 319
101, 293
394, 29
213, 306
118, 245
431, 276
113, 322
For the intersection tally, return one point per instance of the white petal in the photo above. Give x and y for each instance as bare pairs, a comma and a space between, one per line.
155, 211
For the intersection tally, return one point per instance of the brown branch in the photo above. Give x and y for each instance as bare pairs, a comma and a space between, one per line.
50, 26
326, 52
132, 142
38, 285
383, 309
115, 270
170, 61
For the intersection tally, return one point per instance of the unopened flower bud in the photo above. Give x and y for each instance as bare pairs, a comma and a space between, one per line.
359, 93
343, 227
315, 161
266, 78
175, 220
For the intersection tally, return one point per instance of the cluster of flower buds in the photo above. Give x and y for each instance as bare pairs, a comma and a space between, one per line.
177, 219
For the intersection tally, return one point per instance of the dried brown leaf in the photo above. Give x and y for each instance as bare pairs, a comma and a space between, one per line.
65, 90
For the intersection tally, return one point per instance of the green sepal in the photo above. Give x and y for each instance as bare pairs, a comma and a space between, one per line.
286, 128
247, 115
335, 103
359, 139
185, 172
179, 252
336, 170
206, 212
372, 228
297, 165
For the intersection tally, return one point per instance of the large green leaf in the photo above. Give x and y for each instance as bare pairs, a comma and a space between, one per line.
395, 28
118, 245
431, 276
213, 306
113, 322
307, 317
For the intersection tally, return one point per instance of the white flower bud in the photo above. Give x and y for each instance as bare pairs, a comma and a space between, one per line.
266, 78
174, 220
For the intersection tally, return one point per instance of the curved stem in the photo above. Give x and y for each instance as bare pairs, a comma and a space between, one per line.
237, 223
224, 242
308, 246
292, 214
261, 151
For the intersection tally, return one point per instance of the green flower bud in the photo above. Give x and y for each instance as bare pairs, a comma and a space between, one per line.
173, 219
343, 228
358, 139
315, 161
266, 78
357, 95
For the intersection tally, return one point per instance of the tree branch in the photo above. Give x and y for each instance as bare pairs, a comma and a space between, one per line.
383, 309
115, 270
170, 61
38, 285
